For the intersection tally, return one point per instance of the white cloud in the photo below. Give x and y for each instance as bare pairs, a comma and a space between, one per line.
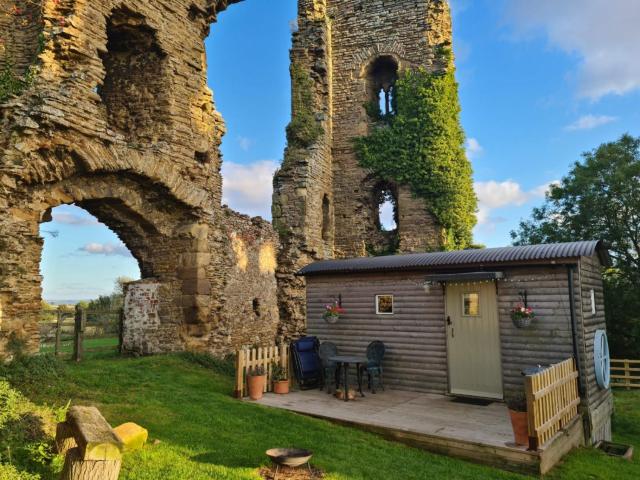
245, 143
108, 249
587, 122
248, 188
494, 195
474, 149
604, 34
68, 218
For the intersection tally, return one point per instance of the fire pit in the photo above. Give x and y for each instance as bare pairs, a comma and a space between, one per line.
289, 457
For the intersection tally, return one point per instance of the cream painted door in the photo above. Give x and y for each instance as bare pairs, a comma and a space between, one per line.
473, 340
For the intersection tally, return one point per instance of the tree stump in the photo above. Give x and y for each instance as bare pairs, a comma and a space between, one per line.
64, 438
94, 436
76, 468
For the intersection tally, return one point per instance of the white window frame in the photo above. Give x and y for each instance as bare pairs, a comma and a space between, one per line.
378, 312
593, 302
462, 304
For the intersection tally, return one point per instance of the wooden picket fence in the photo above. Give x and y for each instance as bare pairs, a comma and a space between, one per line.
248, 359
552, 401
625, 373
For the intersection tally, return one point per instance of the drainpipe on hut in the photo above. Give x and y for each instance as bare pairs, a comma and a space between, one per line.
574, 328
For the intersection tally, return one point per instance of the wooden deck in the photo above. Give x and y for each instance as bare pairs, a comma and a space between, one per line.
436, 423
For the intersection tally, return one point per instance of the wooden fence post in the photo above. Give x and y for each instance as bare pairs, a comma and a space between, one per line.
239, 374
58, 331
81, 321
627, 374
531, 415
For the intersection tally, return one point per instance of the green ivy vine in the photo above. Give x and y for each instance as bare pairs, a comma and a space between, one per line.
304, 129
422, 145
12, 85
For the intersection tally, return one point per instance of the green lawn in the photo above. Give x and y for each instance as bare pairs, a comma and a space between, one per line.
66, 346
203, 433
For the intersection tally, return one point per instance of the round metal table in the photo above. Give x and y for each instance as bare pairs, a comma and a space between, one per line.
343, 362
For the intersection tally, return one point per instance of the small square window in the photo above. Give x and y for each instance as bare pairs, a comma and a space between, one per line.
384, 304
471, 304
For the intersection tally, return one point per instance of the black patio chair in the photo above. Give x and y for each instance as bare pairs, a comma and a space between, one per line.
329, 368
375, 355
306, 362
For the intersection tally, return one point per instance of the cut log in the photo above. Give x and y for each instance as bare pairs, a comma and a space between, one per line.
94, 436
132, 436
76, 468
64, 438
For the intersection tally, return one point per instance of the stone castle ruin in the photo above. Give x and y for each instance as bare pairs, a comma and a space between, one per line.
112, 113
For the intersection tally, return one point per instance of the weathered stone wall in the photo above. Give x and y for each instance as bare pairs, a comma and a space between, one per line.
339, 42
119, 120
142, 317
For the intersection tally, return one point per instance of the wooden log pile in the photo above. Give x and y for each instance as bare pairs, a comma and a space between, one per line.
92, 450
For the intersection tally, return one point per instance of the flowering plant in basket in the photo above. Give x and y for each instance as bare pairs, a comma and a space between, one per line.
522, 316
332, 312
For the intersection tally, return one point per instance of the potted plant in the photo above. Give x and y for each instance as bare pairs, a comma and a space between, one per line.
280, 379
522, 316
517, 405
332, 312
256, 379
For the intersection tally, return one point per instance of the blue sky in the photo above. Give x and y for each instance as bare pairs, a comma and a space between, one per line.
540, 83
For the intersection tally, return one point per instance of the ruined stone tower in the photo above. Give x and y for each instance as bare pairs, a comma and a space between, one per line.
108, 108
347, 54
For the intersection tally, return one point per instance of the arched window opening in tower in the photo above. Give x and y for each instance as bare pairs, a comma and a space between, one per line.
326, 218
383, 74
387, 212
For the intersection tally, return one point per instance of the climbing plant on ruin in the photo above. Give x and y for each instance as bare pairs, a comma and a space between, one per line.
304, 129
422, 146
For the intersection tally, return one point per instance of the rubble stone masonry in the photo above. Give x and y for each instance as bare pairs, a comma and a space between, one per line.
119, 120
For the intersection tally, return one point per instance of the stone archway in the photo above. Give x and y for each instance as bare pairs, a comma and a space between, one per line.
165, 236
135, 143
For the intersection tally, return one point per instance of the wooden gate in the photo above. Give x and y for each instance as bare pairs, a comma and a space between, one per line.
552, 401
74, 333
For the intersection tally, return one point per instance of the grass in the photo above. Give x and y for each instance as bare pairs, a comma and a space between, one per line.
199, 432
66, 346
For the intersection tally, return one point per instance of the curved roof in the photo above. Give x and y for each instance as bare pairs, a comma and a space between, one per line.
463, 258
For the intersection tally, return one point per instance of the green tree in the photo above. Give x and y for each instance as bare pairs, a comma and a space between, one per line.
600, 199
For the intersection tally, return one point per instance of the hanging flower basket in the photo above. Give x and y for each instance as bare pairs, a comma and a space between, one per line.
332, 312
522, 316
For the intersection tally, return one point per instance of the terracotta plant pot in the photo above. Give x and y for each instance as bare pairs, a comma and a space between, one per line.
281, 388
256, 386
520, 427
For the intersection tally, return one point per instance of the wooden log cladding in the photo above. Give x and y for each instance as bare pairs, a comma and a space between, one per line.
414, 336
548, 340
590, 275
552, 401
265, 357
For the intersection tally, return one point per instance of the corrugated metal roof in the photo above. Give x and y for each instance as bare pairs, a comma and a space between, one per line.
462, 258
